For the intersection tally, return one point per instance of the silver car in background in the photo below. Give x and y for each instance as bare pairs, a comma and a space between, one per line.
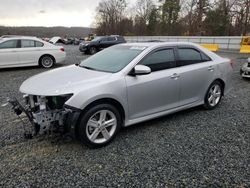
124, 85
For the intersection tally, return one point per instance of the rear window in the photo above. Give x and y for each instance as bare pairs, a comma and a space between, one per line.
27, 43
31, 43
39, 44
111, 39
188, 56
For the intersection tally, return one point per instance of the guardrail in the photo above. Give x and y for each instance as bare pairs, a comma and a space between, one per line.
225, 42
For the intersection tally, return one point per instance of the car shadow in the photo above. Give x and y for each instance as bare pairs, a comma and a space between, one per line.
165, 118
58, 65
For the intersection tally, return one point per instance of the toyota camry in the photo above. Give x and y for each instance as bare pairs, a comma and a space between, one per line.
121, 86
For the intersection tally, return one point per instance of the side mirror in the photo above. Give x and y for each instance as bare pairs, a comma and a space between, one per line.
141, 70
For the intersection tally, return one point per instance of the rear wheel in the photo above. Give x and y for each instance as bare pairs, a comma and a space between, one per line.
213, 95
99, 125
46, 61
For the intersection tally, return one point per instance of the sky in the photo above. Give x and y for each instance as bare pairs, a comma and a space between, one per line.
47, 13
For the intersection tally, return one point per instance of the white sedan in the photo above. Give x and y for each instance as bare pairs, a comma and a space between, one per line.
19, 51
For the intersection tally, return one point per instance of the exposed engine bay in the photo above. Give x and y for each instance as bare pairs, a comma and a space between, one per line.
46, 114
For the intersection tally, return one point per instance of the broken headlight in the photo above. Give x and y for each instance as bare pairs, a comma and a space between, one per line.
57, 102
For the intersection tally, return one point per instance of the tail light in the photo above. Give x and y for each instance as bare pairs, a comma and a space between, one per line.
62, 49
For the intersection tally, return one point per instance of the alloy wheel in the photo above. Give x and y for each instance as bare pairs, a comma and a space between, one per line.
101, 126
47, 62
214, 95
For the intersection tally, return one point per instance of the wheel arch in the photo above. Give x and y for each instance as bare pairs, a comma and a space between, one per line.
39, 60
222, 84
111, 101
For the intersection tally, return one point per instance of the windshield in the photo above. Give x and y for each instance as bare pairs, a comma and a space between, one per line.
112, 59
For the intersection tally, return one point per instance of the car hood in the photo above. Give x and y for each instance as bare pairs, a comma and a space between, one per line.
61, 81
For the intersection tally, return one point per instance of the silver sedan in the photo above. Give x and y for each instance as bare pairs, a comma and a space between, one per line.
124, 85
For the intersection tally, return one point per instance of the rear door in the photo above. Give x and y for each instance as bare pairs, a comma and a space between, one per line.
30, 52
196, 71
111, 41
157, 91
103, 43
8, 53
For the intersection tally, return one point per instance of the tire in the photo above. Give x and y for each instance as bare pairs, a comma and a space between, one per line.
93, 130
92, 50
213, 95
46, 61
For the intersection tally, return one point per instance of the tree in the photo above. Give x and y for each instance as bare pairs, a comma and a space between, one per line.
110, 13
219, 20
169, 17
153, 22
143, 9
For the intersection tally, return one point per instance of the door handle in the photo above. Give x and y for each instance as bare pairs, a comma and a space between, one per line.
175, 76
211, 68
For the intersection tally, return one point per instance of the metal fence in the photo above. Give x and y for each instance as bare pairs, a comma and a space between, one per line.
229, 43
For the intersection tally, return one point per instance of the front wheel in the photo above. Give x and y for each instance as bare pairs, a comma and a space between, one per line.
213, 95
99, 125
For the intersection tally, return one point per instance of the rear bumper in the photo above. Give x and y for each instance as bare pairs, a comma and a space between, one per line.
60, 58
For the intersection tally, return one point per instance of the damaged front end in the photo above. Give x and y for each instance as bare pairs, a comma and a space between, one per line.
47, 114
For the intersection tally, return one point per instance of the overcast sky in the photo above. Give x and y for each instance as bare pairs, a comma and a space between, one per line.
48, 12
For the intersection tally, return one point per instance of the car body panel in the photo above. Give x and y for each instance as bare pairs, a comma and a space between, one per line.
162, 88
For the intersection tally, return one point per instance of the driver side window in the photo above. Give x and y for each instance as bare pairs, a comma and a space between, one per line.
9, 44
160, 60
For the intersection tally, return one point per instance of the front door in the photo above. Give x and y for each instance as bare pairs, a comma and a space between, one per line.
8, 53
157, 91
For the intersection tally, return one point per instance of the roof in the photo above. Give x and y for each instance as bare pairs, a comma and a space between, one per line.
154, 44
19, 37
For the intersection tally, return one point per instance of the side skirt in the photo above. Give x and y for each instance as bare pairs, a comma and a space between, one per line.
163, 113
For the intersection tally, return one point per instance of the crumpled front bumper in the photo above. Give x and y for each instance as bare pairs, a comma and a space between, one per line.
62, 121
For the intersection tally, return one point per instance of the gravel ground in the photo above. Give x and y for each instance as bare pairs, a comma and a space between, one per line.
193, 148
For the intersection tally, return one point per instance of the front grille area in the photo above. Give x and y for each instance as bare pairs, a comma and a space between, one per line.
50, 103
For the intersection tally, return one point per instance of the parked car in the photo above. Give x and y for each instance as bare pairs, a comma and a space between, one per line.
99, 43
245, 70
29, 51
124, 85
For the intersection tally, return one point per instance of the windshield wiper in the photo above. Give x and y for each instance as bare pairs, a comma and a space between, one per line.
90, 68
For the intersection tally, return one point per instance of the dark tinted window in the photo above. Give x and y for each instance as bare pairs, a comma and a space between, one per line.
120, 38
111, 38
205, 57
160, 60
104, 39
27, 43
189, 56
39, 44
9, 44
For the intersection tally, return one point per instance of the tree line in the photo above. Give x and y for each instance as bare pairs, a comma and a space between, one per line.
173, 17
